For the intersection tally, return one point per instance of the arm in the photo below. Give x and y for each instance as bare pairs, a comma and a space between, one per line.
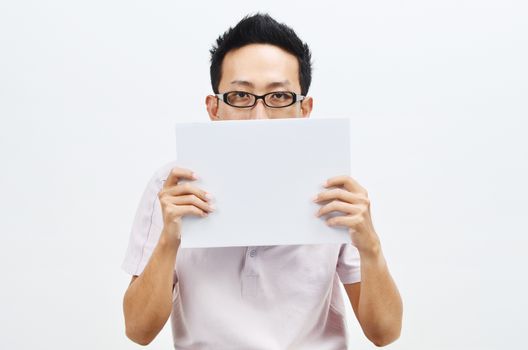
147, 303
375, 300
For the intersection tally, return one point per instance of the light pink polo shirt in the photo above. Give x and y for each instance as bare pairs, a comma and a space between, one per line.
265, 297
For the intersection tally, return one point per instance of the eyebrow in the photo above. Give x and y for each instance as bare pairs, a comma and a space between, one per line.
269, 86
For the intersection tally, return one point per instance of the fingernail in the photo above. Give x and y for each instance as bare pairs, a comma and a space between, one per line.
212, 207
208, 196
315, 198
194, 176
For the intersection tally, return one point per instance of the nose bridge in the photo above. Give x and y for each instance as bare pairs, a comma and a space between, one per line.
259, 111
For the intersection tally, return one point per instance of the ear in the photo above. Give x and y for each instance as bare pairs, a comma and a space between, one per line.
306, 106
211, 103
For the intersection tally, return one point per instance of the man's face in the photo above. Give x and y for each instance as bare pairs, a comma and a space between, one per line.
258, 69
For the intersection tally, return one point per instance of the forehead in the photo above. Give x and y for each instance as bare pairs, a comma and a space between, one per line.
261, 65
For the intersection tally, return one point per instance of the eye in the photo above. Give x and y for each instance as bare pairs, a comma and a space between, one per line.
281, 98
240, 98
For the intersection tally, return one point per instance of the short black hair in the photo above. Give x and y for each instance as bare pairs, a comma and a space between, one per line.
261, 29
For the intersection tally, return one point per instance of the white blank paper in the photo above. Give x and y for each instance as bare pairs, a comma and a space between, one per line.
263, 175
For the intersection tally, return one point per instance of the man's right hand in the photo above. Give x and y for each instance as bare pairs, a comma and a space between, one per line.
178, 198
147, 303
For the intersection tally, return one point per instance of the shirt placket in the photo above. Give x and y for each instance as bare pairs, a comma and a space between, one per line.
250, 273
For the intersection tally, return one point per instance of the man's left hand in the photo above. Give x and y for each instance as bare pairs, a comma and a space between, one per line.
347, 196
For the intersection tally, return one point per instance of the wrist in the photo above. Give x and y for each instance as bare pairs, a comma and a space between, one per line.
169, 241
371, 251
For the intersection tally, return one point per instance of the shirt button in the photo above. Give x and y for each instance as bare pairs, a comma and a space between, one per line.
252, 253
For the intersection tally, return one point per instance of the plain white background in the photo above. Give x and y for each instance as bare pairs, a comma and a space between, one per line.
437, 91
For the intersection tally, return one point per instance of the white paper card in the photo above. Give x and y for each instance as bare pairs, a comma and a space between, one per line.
263, 175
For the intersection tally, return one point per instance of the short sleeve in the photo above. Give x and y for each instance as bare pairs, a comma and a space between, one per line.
147, 224
348, 264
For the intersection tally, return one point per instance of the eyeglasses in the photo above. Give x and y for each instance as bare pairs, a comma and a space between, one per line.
275, 99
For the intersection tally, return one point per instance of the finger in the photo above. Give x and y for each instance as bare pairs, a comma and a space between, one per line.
347, 221
185, 210
340, 194
191, 199
184, 189
337, 205
347, 182
176, 174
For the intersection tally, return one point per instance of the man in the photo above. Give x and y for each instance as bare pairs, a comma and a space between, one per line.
274, 297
